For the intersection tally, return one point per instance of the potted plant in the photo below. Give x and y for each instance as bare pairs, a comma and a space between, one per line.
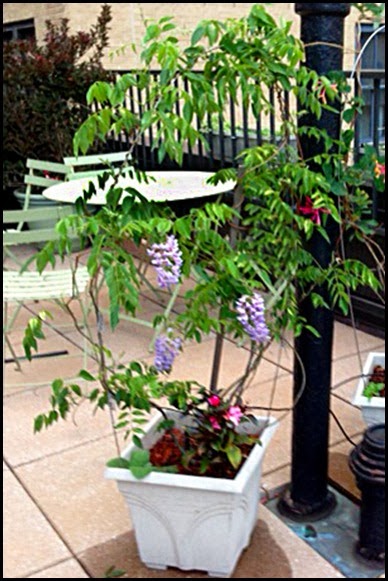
210, 457
370, 392
212, 463
241, 268
204, 523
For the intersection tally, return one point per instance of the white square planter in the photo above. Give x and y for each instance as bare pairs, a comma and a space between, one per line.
373, 410
194, 523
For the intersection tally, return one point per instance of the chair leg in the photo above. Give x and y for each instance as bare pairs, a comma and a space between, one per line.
7, 342
18, 367
4, 340
18, 307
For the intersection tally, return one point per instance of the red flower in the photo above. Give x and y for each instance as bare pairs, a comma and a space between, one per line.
48, 176
311, 212
214, 401
215, 424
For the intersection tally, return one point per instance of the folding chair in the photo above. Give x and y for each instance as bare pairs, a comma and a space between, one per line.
41, 174
22, 286
93, 165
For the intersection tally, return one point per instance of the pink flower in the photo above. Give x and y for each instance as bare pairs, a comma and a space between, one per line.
215, 423
314, 213
214, 401
234, 415
380, 170
48, 176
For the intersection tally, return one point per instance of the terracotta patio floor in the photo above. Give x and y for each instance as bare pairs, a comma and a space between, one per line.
62, 519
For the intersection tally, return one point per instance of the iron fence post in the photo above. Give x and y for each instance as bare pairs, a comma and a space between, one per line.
309, 497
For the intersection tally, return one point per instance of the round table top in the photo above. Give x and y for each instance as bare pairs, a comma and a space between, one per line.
164, 186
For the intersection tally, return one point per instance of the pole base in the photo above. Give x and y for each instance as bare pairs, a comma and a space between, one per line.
371, 554
301, 512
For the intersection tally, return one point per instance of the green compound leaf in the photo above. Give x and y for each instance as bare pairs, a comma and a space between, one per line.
119, 463
141, 472
139, 458
234, 456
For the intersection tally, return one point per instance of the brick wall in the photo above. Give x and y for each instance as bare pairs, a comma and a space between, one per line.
128, 21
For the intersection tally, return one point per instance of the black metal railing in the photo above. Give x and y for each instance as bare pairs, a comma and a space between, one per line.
225, 137
239, 128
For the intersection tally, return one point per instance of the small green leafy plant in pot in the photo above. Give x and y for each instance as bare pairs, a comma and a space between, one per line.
370, 391
376, 385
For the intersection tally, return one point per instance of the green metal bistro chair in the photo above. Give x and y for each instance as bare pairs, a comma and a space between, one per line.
21, 286
41, 175
93, 165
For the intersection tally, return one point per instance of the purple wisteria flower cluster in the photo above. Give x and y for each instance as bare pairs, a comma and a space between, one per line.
167, 260
251, 315
166, 350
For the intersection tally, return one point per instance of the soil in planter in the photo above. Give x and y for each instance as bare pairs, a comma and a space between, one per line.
378, 376
171, 446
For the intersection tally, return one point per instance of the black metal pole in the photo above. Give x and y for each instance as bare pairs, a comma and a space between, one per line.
309, 497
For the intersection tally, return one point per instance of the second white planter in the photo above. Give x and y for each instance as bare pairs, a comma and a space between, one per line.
194, 523
373, 410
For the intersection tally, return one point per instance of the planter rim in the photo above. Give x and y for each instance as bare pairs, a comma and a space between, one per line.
207, 483
359, 399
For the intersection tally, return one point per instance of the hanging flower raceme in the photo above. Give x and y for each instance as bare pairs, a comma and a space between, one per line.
251, 315
167, 348
167, 260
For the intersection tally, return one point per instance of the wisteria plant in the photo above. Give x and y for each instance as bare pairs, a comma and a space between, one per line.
216, 446
243, 262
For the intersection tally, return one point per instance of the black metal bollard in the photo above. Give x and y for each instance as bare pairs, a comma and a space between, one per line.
367, 461
309, 497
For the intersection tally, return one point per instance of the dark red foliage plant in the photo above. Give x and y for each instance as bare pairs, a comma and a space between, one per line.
44, 90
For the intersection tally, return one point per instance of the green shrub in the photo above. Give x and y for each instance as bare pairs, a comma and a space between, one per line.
44, 92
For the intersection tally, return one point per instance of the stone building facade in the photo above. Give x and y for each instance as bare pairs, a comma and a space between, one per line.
129, 21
